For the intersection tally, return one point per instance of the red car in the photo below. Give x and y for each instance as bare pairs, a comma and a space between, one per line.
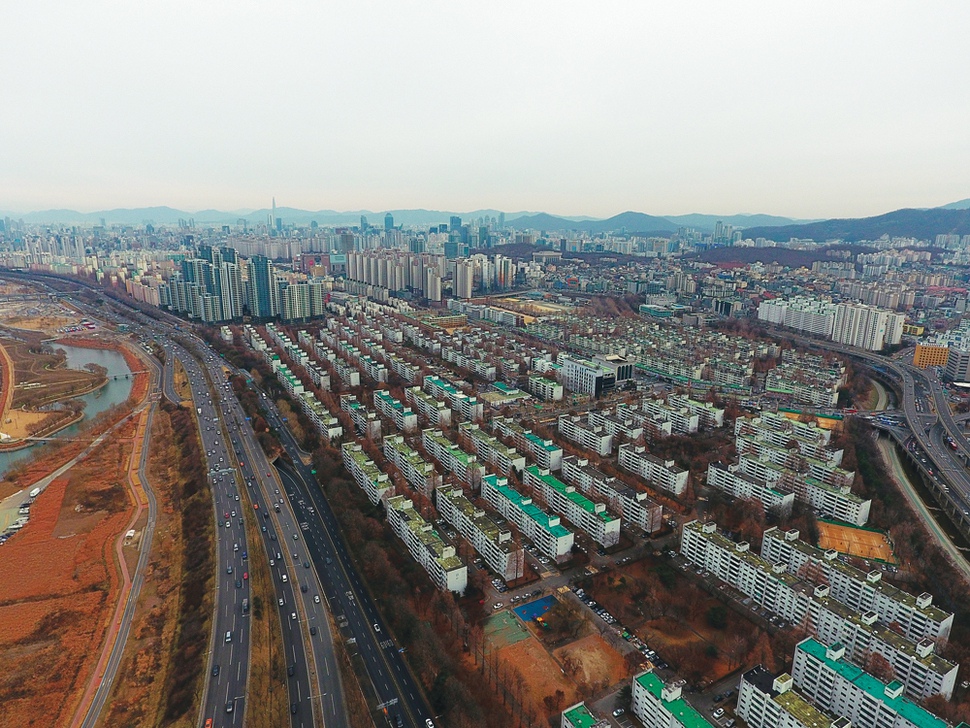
245, 576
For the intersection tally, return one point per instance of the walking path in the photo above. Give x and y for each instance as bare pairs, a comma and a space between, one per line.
889, 454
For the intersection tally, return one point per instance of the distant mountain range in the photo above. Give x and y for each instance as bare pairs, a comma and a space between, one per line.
922, 224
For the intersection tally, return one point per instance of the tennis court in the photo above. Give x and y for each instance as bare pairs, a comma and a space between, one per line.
863, 542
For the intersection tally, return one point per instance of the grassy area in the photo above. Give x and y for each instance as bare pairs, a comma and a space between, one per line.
182, 382
267, 673
138, 695
355, 704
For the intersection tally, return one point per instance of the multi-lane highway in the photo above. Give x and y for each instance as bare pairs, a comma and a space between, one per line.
393, 683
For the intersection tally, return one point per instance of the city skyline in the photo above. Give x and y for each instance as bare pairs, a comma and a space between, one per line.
822, 112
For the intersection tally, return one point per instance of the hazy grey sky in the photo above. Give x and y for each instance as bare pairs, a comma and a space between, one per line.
813, 109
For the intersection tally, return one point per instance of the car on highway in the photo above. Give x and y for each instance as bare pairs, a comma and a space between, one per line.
313, 630
283, 578
293, 616
215, 670
229, 706
377, 628
245, 576
316, 598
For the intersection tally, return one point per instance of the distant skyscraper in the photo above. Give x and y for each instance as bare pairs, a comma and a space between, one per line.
501, 221
455, 222
262, 288
388, 221
363, 223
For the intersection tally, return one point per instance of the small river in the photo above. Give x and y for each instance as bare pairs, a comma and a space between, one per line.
114, 392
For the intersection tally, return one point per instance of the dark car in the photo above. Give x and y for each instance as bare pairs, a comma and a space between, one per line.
215, 670
294, 707
291, 669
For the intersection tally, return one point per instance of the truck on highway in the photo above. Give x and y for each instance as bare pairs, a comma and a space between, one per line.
34, 493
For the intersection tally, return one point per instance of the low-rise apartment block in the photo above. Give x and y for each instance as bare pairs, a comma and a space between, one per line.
403, 418
663, 706
545, 453
452, 458
916, 616
544, 530
434, 411
419, 473
634, 506
438, 558
708, 415
365, 473
596, 439
365, 421
548, 390
577, 716
503, 458
467, 407
494, 543
731, 480
839, 687
657, 473
916, 665
580, 511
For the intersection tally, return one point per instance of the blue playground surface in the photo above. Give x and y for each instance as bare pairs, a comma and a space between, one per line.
528, 612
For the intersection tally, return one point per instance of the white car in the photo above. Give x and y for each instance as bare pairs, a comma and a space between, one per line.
316, 598
719, 712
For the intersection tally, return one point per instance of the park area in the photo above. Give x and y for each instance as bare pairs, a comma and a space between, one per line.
865, 543
555, 673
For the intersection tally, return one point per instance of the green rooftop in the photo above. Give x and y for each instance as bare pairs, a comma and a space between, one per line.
876, 689
579, 716
529, 509
684, 713
573, 496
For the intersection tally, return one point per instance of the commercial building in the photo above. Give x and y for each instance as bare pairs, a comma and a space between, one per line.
634, 506
494, 543
438, 558
657, 473
544, 530
593, 518
584, 376
930, 355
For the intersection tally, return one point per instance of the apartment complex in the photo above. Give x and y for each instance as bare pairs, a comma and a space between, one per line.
839, 687
419, 473
494, 543
426, 547
545, 389
544, 530
365, 472
365, 421
766, 701
545, 453
403, 418
921, 671
469, 408
657, 473
855, 324
434, 411
585, 434
503, 458
580, 511
452, 458
916, 616
634, 506
663, 706
731, 480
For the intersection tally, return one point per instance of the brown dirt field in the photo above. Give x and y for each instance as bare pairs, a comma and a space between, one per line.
20, 424
855, 541
596, 661
60, 587
47, 324
543, 674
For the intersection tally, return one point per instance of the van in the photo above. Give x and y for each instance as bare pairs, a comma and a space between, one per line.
228, 636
